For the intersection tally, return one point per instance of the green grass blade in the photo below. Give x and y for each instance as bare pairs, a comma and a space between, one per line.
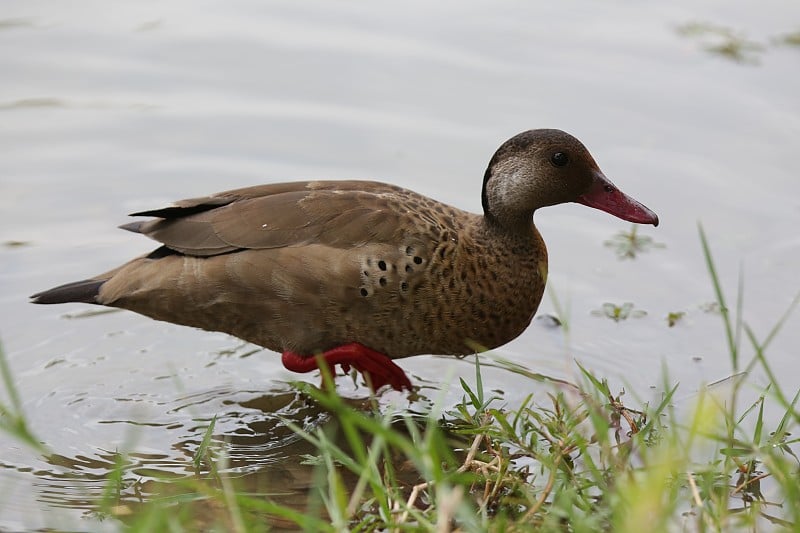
759, 423
12, 417
781, 321
478, 379
11, 388
202, 450
723, 307
774, 384
476, 403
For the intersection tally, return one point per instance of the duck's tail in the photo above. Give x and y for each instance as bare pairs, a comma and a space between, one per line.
85, 291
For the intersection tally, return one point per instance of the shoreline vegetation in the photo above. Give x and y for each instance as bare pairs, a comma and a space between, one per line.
570, 457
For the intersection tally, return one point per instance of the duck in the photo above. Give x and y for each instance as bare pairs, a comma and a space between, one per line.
360, 273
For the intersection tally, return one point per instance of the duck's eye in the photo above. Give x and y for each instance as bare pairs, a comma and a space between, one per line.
559, 159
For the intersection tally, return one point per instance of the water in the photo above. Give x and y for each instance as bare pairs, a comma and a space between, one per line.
108, 110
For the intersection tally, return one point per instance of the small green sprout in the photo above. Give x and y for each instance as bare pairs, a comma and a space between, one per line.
627, 244
790, 39
619, 312
674, 317
723, 41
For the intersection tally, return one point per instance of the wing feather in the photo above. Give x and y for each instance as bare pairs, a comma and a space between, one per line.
338, 214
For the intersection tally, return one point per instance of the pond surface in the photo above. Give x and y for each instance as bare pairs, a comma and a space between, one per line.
106, 110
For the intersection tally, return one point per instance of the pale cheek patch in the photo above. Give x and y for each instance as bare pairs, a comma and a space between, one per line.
513, 189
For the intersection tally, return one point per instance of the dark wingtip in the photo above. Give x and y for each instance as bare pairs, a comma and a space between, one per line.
149, 213
84, 291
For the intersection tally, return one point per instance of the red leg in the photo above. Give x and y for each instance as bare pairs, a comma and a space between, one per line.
381, 370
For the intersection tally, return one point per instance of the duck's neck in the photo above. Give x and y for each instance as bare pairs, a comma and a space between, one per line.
521, 244
505, 226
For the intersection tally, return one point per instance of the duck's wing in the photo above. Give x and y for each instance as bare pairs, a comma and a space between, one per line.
339, 214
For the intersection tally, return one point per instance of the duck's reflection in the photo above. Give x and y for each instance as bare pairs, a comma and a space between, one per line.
253, 448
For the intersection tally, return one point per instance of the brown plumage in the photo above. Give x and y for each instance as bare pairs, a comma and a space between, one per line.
359, 270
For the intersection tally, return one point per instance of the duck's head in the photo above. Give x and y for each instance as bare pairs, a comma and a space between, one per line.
545, 167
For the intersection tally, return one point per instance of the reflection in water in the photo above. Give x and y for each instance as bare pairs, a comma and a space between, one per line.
258, 452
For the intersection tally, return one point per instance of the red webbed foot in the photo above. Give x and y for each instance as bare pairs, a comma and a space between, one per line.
377, 368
